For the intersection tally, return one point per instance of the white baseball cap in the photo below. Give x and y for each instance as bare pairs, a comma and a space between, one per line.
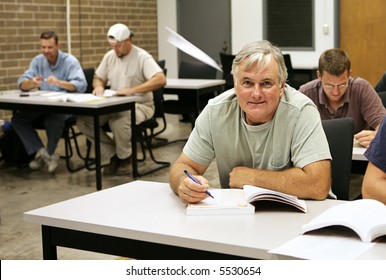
118, 33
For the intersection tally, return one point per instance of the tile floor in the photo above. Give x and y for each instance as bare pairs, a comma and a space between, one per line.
22, 190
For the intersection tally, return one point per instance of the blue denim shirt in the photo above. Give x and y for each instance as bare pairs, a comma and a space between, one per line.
67, 68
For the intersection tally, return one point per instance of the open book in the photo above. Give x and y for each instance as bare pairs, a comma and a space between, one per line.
366, 217
76, 97
238, 201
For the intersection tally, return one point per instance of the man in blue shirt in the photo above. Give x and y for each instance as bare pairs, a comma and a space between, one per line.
51, 70
374, 181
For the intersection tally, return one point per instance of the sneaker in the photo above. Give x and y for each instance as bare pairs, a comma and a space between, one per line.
37, 163
112, 167
124, 166
51, 162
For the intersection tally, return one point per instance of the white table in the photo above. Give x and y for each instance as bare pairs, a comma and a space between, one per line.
357, 153
10, 100
194, 86
146, 220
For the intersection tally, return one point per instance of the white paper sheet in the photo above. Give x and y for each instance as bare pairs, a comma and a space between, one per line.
184, 45
322, 247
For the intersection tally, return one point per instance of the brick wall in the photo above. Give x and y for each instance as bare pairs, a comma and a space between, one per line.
22, 21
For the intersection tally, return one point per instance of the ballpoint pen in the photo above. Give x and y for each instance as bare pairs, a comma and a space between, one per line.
196, 181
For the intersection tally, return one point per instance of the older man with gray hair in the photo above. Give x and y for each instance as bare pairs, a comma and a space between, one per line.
263, 133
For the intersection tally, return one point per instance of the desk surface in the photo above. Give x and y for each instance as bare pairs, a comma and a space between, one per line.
193, 83
36, 101
150, 211
35, 98
357, 152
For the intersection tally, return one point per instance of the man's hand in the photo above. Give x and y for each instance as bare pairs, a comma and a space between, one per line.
191, 192
365, 137
52, 80
98, 91
36, 81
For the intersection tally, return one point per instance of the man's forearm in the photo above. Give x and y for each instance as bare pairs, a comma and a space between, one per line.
311, 182
27, 85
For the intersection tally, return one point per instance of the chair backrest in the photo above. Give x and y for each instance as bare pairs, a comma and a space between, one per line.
382, 95
340, 137
381, 85
226, 63
158, 97
196, 70
290, 69
161, 63
89, 74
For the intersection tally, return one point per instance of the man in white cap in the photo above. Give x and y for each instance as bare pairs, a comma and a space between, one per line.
129, 70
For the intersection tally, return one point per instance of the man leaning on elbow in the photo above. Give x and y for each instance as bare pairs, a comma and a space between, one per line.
262, 132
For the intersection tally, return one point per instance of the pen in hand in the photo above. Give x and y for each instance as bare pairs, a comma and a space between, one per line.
197, 182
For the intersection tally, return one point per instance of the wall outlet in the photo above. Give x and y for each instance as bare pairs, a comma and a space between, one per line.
326, 29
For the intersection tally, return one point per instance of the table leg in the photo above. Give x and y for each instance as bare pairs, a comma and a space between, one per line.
134, 143
197, 104
98, 171
49, 250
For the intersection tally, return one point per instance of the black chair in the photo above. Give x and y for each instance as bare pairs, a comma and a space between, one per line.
291, 73
186, 104
226, 63
340, 136
147, 134
380, 88
159, 113
382, 95
161, 63
381, 85
70, 133
89, 74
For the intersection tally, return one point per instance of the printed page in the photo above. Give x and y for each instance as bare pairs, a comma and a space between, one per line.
50, 93
361, 215
323, 247
109, 93
76, 97
226, 201
253, 193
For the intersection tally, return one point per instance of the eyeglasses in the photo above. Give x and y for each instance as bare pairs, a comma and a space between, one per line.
332, 87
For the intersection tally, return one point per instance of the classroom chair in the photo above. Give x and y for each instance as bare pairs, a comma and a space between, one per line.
226, 63
340, 137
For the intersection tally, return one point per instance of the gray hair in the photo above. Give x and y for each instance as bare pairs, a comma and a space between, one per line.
261, 53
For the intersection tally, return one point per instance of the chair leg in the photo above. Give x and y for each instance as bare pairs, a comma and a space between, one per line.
89, 162
143, 149
68, 135
74, 136
144, 137
164, 141
159, 142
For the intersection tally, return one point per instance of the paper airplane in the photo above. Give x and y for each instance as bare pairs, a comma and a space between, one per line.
184, 45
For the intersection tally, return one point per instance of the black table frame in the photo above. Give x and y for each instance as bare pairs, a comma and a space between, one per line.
85, 111
197, 92
119, 246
